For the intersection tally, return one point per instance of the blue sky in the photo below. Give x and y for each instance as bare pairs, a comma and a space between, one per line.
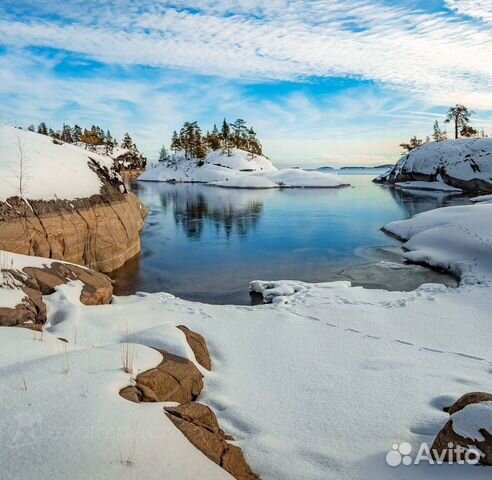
323, 82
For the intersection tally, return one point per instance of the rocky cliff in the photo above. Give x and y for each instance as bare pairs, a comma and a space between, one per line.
62, 202
101, 232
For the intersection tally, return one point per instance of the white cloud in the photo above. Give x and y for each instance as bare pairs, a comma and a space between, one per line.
432, 56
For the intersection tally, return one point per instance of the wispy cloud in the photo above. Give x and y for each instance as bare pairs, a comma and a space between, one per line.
429, 54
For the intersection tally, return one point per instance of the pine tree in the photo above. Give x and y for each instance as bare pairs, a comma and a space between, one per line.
43, 129
31, 128
239, 133
459, 115
414, 143
66, 134
175, 143
109, 143
127, 142
468, 131
76, 133
163, 155
225, 134
438, 134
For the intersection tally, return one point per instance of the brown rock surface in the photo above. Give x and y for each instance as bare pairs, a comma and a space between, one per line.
175, 379
97, 290
447, 435
101, 232
199, 346
199, 425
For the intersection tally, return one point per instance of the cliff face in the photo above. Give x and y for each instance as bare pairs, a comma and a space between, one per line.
101, 232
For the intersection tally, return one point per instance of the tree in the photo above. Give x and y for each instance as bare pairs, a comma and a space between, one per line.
91, 139
225, 135
163, 155
31, 128
468, 131
458, 115
239, 133
439, 134
66, 134
109, 142
76, 133
127, 142
175, 143
43, 129
414, 143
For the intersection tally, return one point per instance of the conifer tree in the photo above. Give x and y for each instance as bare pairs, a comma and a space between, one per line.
127, 142
43, 129
438, 134
31, 128
225, 134
459, 115
66, 134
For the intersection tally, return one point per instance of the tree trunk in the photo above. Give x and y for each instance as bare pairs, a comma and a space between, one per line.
456, 129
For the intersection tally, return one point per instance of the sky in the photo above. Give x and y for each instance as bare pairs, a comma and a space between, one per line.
323, 82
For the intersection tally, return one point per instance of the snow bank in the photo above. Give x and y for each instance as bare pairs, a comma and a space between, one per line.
49, 170
295, 177
458, 239
438, 186
465, 163
240, 160
482, 198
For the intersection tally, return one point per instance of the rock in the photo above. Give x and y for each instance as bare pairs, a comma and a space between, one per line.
469, 398
447, 435
101, 232
199, 425
175, 379
97, 290
132, 394
199, 346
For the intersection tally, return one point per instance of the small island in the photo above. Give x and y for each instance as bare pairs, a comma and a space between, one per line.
229, 158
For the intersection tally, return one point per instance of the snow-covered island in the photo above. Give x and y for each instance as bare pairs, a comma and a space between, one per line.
230, 158
448, 165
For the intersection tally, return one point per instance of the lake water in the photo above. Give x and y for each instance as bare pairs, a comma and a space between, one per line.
206, 243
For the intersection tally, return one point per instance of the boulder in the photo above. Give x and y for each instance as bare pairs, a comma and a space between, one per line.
199, 346
175, 379
199, 425
448, 435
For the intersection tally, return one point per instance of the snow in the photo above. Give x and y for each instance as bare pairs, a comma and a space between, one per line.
482, 198
462, 159
470, 420
50, 170
439, 186
246, 181
240, 171
317, 385
458, 239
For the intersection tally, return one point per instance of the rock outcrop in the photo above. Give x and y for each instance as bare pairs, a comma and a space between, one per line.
465, 164
450, 434
101, 232
176, 379
199, 425
36, 282
199, 346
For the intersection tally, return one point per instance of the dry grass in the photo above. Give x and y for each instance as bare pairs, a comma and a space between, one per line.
127, 351
128, 460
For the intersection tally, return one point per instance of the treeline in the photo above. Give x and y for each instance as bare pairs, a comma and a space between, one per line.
459, 116
91, 137
195, 145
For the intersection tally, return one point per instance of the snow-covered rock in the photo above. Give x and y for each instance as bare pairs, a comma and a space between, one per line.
457, 239
48, 170
465, 163
239, 171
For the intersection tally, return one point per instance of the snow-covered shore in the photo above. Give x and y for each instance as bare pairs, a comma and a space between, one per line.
240, 170
317, 385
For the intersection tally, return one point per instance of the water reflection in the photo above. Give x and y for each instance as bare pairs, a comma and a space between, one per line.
206, 243
235, 212
418, 201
